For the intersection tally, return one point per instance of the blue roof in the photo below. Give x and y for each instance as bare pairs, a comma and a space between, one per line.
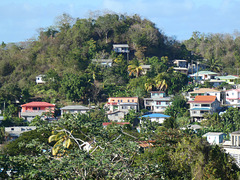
207, 109
156, 115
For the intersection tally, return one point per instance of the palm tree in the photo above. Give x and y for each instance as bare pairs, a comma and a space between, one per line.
214, 65
62, 140
135, 70
149, 85
161, 81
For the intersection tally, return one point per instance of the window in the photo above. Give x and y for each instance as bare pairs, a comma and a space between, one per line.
232, 93
194, 112
128, 100
12, 129
133, 100
34, 108
121, 100
118, 100
205, 105
158, 102
116, 114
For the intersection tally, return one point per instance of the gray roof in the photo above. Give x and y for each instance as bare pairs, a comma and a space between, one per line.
120, 45
146, 66
236, 132
213, 134
74, 107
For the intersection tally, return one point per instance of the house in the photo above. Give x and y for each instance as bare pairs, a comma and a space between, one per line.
206, 92
181, 66
233, 97
119, 106
158, 101
74, 109
233, 146
14, 132
103, 62
228, 79
39, 79
193, 127
215, 82
145, 68
31, 110
121, 48
202, 105
155, 117
202, 76
215, 137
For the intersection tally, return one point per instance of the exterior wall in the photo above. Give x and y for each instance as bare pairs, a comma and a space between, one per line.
215, 139
232, 97
72, 111
158, 94
123, 99
117, 117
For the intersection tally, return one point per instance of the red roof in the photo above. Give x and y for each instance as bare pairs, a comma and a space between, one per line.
205, 99
38, 104
120, 123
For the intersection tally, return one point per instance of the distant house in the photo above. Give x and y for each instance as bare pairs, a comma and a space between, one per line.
39, 79
215, 137
155, 117
73, 109
181, 66
145, 68
31, 110
158, 101
228, 79
233, 146
119, 106
202, 76
103, 62
121, 48
206, 92
14, 132
202, 105
233, 97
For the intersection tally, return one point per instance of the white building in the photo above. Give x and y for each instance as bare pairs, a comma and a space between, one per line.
233, 97
215, 137
202, 76
39, 79
74, 109
155, 117
16, 131
158, 101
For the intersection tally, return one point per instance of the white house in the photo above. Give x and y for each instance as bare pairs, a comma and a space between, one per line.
206, 92
233, 97
181, 66
73, 109
158, 101
16, 131
103, 62
145, 68
215, 137
202, 76
157, 117
121, 48
39, 79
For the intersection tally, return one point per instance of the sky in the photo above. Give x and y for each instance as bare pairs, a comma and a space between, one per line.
20, 20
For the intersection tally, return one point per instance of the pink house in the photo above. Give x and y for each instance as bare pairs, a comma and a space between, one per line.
32, 109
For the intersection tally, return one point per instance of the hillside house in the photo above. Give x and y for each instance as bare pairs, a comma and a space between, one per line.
181, 66
158, 101
74, 109
215, 137
119, 106
31, 110
145, 68
202, 105
39, 79
103, 62
206, 92
233, 97
202, 76
121, 48
155, 117
14, 132
228, 79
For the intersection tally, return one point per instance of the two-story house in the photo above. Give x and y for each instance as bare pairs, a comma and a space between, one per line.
206, 92
202, 105
233, 97
118, 107
31, 110
181, 66
158, 101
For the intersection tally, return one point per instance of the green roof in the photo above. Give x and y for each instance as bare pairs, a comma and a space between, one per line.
227, 77
205, 72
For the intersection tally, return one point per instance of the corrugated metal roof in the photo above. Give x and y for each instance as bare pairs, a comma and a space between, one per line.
38, 104
204, 99
156, 115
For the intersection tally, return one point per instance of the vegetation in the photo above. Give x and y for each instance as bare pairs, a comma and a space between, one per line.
78, 146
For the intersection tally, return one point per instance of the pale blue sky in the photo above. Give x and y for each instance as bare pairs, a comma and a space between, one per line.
21, 19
